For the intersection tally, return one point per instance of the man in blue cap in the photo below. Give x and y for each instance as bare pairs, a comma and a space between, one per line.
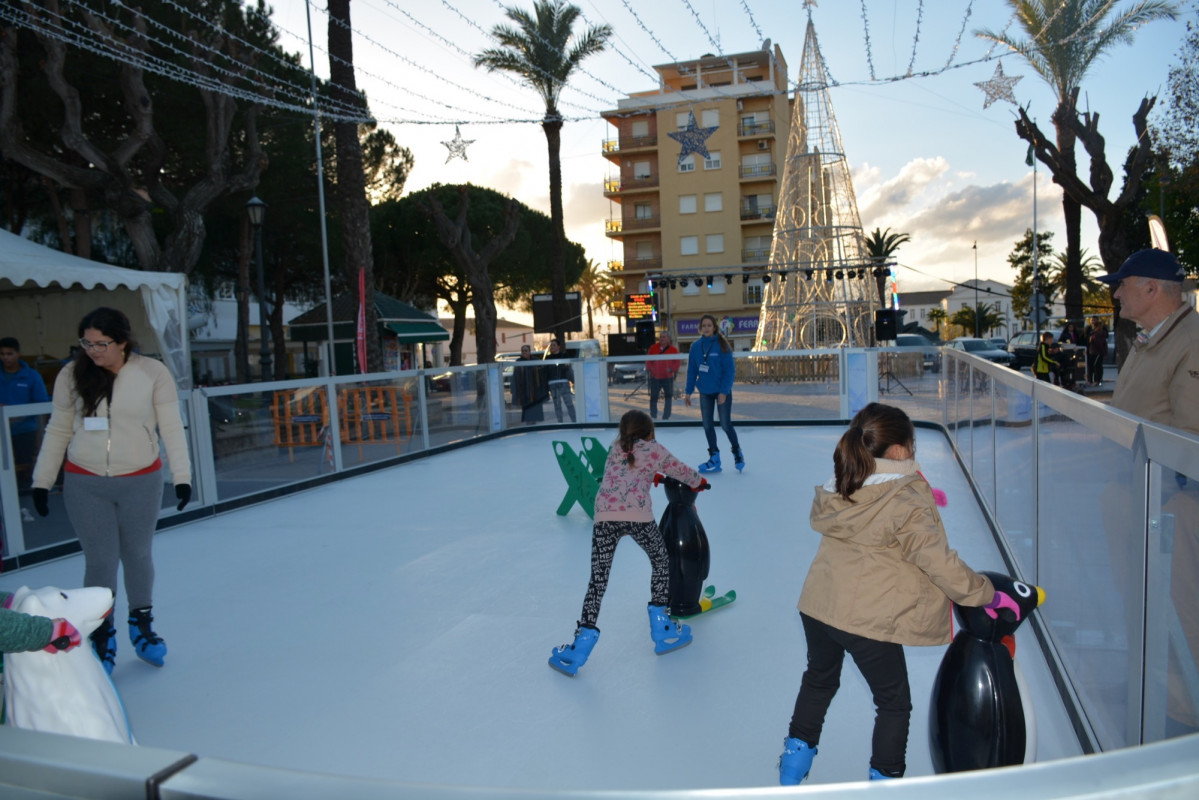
1159, 379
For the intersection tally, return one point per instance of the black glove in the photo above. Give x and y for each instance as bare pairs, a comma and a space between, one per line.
183, 491
41, 501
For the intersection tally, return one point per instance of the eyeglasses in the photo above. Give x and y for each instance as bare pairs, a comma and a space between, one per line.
99, 347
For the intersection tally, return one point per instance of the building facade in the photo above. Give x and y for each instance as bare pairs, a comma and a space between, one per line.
696, 230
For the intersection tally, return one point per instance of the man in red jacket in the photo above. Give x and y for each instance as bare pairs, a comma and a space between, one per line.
661, 374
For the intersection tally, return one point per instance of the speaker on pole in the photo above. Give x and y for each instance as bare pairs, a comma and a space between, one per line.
884, 325
645, 335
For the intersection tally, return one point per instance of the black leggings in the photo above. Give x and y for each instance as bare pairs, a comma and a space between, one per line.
604, 538
883, 666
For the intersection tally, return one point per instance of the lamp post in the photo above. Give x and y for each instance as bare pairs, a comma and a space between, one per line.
256, 211
976, 323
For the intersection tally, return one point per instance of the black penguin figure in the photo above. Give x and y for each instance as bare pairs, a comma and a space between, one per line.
976, 720
687, 545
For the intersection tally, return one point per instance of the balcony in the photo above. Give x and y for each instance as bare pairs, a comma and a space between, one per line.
755, 255
612, 147
615, 266
758, 171
615, 186
746, 129
644, 264
751, 212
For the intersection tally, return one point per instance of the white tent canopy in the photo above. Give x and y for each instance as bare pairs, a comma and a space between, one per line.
44, 293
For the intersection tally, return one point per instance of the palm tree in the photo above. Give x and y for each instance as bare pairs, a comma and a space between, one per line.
880, 246
595, 288
1065, 38
988, 316
938, 317
543, 50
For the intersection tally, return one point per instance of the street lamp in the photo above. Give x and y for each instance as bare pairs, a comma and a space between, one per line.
256, 211
976, 332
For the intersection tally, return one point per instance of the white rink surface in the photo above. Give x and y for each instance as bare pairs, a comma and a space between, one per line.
397, 626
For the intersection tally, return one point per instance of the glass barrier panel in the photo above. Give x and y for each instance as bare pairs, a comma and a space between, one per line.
265, 439
527, 390
457, 404
911, 381
982, 432
1090, 562
1172, 621
169, 500
25, 436
1015, 478
379, 419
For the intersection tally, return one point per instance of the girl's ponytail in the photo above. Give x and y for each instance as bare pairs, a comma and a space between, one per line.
635, 425
871, 434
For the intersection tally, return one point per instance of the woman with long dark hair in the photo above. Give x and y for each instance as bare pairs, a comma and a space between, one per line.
710, 371
111, 405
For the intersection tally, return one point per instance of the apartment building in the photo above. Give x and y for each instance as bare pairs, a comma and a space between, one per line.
700, 228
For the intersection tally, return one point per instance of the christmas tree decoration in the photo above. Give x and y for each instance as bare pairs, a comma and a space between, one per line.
457, 146
817, 230
999, 87
692, 138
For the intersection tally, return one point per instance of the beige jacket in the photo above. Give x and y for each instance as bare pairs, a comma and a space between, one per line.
145, 405
1160, 379
884, 569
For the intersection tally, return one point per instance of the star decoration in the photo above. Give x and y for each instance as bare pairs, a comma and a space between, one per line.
457, 146
999, 87
692, 138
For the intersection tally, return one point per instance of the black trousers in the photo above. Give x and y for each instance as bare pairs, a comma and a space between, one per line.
885, 669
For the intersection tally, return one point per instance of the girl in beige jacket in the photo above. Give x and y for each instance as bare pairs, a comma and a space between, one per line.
883, 577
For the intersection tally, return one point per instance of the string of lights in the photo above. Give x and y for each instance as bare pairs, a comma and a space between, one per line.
916, 37
120, 52
957, 42
866, 34
334, 21
700, 22
466, 54
750, 15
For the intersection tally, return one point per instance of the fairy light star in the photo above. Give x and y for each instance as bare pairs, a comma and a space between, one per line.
999, 87
692, 138
457, 146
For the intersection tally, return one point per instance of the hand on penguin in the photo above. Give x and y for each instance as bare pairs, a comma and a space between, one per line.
64, 637
703, 484
658, 478
1002, 601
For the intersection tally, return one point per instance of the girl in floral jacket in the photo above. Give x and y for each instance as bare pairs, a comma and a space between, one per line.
622, 507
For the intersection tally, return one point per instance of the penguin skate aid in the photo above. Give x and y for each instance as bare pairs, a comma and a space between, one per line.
874, 511
623, 508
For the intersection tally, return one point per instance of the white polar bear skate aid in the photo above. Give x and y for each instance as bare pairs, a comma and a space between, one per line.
69, 692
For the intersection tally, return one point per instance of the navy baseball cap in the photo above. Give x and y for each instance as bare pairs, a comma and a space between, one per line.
1151, 263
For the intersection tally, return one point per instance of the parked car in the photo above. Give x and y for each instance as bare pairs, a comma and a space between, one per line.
626, 373
999, 342
983, 349
930, 353
1023, 349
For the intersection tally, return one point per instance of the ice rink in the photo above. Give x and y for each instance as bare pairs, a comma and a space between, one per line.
397, 625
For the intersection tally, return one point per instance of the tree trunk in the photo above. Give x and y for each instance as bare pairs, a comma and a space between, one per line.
81, 216
1071, 211
456, 235
351, 181
458, 336
557, 248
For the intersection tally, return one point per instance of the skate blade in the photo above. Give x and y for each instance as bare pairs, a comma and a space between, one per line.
663, 649
570, 670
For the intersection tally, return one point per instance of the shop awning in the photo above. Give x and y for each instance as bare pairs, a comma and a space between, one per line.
418, 331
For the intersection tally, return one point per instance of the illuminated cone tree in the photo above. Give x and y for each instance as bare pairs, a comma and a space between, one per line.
821, 280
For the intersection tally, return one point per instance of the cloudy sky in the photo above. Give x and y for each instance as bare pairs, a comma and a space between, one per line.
927, 158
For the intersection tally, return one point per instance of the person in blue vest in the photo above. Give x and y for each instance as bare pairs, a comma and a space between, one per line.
20, 384
710, 371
